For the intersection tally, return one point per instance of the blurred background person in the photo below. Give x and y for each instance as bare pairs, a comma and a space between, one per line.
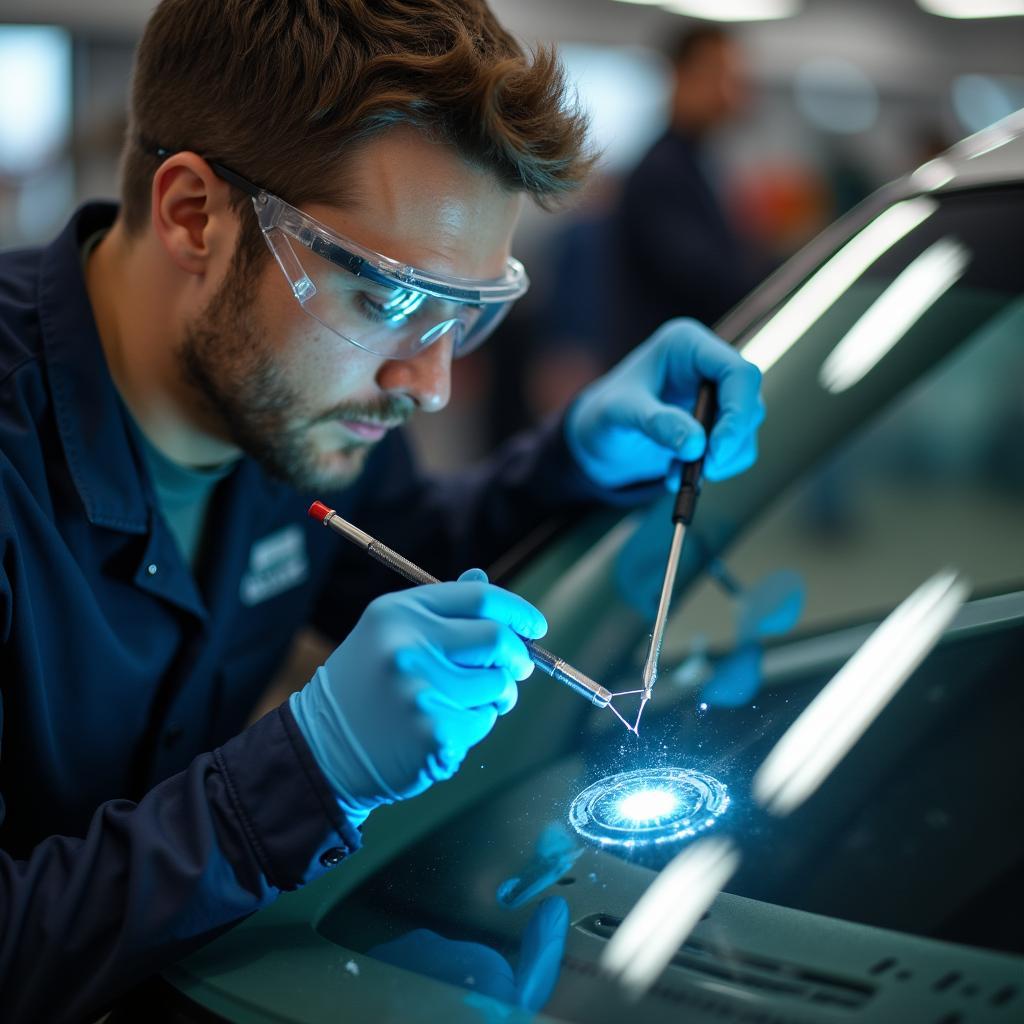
641, 248
673, 248
557, 341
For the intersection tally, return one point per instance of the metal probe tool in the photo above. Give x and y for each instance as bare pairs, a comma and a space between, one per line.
543, 659
704, 411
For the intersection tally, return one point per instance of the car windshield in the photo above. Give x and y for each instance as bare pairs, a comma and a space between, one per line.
895, 389
901, 406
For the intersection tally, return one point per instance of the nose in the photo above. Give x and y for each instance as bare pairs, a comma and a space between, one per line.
426, 378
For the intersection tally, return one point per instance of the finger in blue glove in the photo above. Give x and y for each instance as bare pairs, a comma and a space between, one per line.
540, 955
421, 678
628, 426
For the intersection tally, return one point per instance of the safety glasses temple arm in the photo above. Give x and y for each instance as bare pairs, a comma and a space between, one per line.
236, 179
221, 171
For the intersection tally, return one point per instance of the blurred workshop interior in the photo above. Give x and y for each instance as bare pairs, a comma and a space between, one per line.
838, 98
738, 147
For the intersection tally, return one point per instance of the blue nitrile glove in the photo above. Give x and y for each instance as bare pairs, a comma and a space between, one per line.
484, 970
420, 679
628, 425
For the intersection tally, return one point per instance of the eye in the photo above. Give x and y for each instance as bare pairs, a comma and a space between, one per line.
395, 307
371, 309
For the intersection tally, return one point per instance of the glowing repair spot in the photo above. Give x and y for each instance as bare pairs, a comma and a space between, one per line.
647, 806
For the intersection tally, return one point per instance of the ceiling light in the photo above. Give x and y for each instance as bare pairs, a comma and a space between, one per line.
973, 8
728, 10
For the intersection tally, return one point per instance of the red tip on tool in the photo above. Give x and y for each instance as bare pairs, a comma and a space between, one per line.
319, 511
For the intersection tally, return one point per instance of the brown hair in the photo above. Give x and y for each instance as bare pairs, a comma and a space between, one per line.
281, 90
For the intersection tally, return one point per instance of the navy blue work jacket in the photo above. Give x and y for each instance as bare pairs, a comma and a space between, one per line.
138, 818
672, 250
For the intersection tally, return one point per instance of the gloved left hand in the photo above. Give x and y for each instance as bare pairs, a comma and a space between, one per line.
630, 424
421, 678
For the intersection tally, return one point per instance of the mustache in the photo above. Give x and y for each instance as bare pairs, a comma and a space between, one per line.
392, 411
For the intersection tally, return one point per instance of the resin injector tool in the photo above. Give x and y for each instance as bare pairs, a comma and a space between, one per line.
682, 515
550, 663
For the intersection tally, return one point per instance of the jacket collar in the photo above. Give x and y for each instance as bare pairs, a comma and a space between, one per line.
91, 418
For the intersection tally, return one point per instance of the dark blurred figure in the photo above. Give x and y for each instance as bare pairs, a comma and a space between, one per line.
555, 341
635, 254
673, 250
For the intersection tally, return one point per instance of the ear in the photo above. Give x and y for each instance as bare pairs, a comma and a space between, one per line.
191, 212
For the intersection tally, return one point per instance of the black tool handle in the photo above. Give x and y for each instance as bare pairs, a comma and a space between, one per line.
705, 411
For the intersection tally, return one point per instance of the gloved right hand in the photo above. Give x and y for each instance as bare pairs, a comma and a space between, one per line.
421, 678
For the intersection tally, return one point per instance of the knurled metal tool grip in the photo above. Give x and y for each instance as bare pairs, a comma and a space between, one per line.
554, 666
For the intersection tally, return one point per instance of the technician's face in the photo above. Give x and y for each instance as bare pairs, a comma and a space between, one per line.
304, 402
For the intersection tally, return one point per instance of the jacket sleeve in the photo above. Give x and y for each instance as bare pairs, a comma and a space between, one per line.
83, 919
451, 523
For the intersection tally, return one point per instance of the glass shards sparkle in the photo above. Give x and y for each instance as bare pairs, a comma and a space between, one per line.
647, 806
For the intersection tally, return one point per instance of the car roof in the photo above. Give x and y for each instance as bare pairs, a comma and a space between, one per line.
993, 156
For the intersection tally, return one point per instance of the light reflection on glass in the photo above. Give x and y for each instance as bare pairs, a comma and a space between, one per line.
554, 854
822, 290
891, 316
840, 714
667, 912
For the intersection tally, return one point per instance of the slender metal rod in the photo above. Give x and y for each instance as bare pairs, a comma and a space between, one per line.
559, 670
704, 411
658, 633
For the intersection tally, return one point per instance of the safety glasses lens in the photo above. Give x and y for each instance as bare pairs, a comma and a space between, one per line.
385, 319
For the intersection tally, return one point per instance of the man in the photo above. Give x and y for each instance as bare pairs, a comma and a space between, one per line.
673, 251
180, 376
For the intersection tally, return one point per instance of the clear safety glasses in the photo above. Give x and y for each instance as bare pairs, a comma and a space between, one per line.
382, 305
